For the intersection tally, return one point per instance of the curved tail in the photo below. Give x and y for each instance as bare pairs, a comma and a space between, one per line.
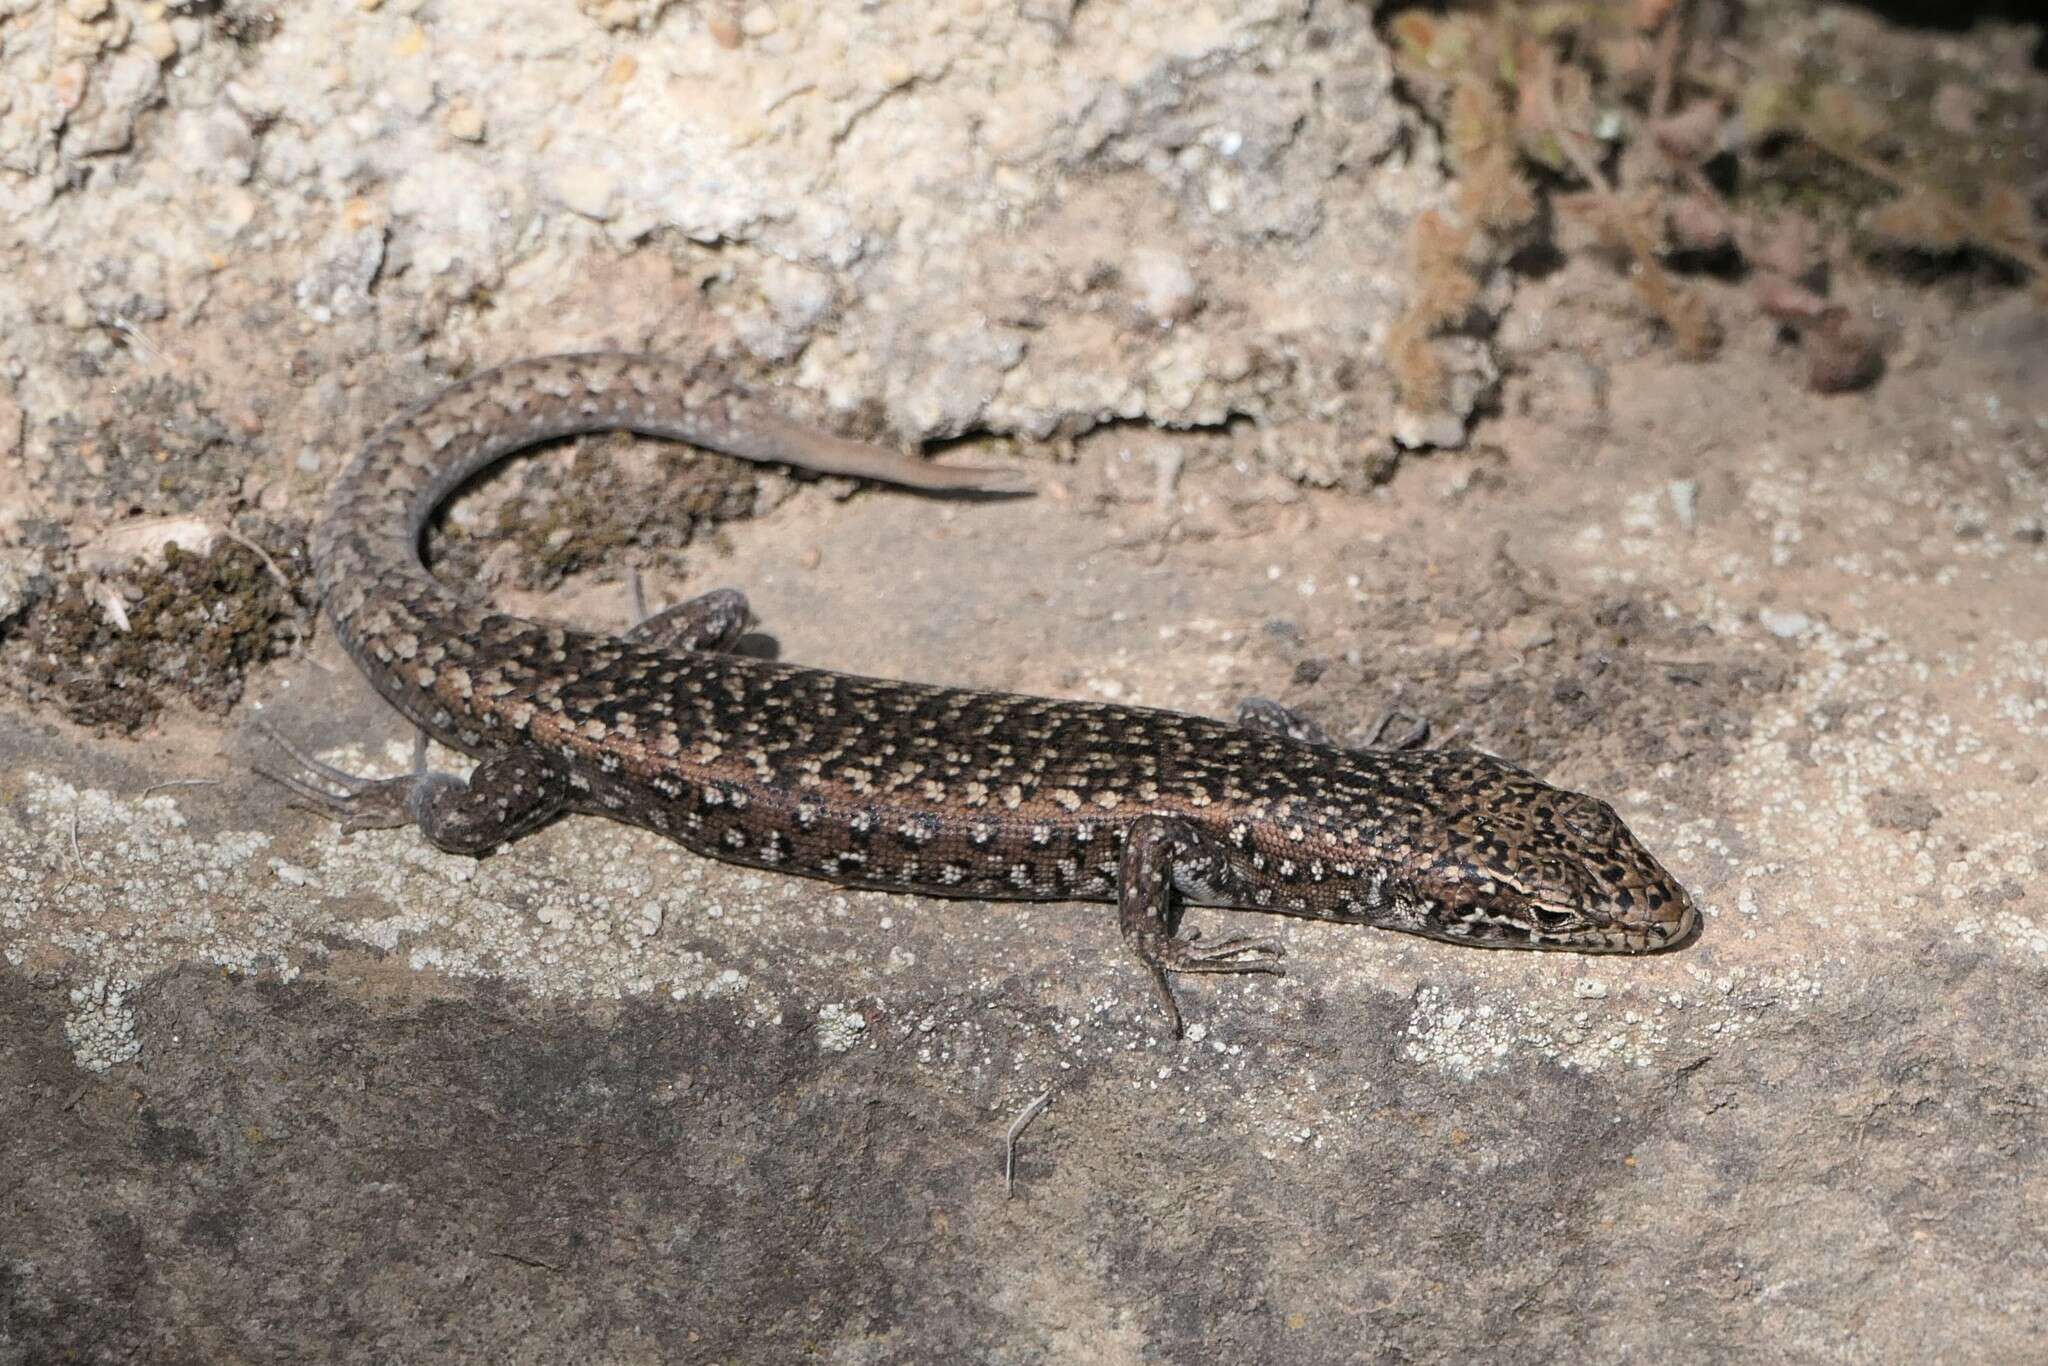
366, 556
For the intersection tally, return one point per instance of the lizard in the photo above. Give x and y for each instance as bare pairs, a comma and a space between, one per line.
908, 787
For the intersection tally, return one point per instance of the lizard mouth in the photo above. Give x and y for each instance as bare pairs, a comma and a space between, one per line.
1657, 918
1672, 924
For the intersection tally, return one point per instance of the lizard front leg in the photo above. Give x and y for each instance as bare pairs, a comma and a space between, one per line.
1265, 715
1165, 861
504, 797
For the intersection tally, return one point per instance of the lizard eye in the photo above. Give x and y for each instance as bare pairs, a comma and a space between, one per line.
1555, 922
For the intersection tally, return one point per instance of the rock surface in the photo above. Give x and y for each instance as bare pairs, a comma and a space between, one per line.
267, 1091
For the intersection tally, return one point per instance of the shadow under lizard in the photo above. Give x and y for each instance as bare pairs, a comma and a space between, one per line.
906, 787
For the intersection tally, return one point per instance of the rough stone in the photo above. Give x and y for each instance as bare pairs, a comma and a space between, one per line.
266, 1088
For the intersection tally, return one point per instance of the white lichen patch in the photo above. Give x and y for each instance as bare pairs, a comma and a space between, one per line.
115, 890
840, 1028
1465, 1040
1870, 726
101, 1024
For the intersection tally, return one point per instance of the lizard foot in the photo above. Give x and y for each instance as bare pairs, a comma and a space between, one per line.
361, 803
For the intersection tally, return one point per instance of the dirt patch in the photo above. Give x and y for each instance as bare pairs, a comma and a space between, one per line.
1497, 656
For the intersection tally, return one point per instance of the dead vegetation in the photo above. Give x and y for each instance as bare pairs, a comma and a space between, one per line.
1649, 133
109, 647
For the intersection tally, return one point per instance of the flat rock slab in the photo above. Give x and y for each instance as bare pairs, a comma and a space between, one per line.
272, 1092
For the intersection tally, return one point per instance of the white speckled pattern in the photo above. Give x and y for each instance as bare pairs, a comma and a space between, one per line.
903, 786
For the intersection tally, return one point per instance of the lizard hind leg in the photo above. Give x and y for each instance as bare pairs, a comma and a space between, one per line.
506, 796
1165, 860
713, 621
1268, 717
1265, 715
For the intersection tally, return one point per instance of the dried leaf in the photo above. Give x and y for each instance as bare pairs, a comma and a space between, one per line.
1477, 123
1693, 325
1697, 223
1443, 45
1695, 331
1623, 224
2007, 218
1418, 373
1923, 219
1691, 135
1414, 33
1792, 304
1495, 195
1536, 107
1445, 286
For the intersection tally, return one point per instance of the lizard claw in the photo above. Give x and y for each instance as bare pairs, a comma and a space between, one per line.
362, 803
1238, 953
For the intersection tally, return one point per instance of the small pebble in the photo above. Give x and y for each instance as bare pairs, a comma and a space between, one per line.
1164, 285
1784, 625
589, 190
465, 121
158, 39
1685, 501
1527, 632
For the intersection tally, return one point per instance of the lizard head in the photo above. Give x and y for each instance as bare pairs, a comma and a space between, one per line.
1539, 867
